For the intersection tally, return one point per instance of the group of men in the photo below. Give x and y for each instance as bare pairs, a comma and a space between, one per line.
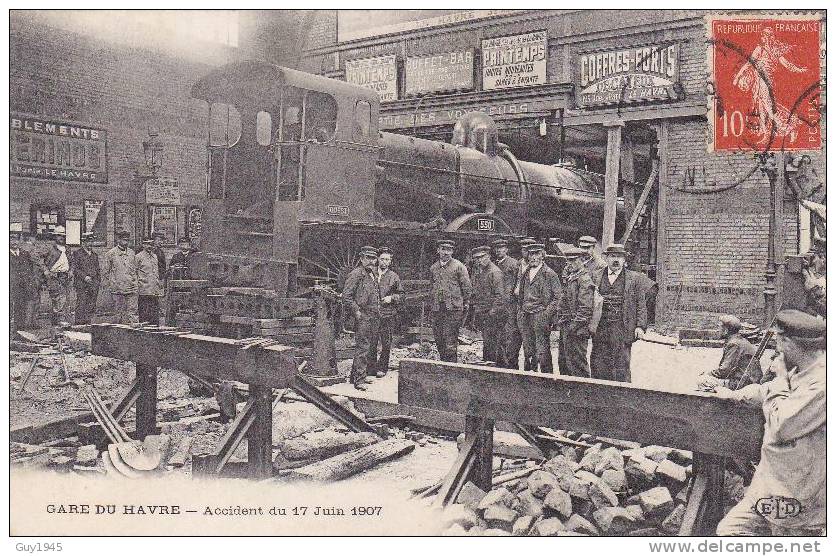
515, 304
135, 281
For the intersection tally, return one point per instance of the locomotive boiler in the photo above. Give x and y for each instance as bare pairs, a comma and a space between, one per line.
299, 177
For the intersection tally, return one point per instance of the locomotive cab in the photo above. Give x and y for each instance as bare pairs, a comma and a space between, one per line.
284, 147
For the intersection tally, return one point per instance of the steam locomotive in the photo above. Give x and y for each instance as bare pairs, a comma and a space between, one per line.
299, 177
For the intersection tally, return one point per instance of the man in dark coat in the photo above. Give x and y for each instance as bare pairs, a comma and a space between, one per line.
574, 313
593, 262
539, 296
514, 339
361, 294
158, 251
490, 304
180, 266
57, 265
23, 282
86, 280
510, 339
391, 297
623, 318
450, 290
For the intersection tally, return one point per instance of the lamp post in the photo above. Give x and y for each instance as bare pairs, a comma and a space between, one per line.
771, 168
152, 149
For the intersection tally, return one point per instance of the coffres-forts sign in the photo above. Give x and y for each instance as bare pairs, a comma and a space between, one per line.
765, 83
49, 149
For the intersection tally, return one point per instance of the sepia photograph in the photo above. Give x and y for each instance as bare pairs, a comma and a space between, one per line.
418, 272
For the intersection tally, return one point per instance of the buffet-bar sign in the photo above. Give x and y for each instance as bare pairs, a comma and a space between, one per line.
50, 149
378, 74
517, 61
629, 75
451, 71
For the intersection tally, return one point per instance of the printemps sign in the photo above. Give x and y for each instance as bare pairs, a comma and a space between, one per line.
378, 74
627, 76
517, 61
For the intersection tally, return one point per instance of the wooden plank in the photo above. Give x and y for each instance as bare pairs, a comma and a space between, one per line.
207, 356
482, 430
636, 212
146, 403
697, 421
705, 499
355, 461
458, 474
259, 437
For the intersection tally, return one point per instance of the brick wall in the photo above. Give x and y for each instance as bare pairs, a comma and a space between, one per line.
60, 74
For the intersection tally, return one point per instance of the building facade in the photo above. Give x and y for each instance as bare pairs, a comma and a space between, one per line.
566, 86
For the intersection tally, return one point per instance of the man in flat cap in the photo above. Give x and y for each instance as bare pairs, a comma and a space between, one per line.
815, 278
57, 264
623, 317
119, 273
361, 294
539, 297
510, 339
23, 281
450, 290
792, 468
594, 263
574, 313
514, 339
149, 285
490, 304
391, 298
737, 353
86, 279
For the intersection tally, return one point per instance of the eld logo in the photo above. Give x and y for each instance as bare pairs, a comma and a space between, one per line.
484, 225
778, 507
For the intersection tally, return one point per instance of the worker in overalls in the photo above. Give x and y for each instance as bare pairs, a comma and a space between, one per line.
574, 313
450, 290
362, 296
623, 317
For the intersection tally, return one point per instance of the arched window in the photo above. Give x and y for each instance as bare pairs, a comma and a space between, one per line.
224, 125
320, 117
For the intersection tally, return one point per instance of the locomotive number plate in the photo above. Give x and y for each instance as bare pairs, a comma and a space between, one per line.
337, 210
485, 225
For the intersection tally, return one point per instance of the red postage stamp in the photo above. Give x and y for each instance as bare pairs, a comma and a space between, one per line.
765, 84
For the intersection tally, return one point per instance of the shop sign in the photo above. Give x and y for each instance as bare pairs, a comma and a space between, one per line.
162, 191
51, 149
378, 74
445, 116
629, 76
517, 61
451, 71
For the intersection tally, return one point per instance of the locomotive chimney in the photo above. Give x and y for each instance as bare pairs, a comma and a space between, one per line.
478, 131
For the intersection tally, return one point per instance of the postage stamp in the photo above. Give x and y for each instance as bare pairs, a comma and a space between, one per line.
765, 82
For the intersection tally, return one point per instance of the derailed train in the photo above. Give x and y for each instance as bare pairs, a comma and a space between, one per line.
299, 177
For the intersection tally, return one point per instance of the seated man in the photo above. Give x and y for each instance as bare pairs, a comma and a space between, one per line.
791, 474
737, 352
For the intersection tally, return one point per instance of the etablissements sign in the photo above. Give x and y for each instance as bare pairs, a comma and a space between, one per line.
378, 74
517, 61
629, 75
50, 149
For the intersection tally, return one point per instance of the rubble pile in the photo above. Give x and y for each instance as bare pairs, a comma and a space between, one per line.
612, 487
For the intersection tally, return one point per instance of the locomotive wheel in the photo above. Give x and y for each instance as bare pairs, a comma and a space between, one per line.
327, 256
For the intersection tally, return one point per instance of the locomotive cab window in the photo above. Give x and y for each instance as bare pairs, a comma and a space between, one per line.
320, 117
264, 128
224, 125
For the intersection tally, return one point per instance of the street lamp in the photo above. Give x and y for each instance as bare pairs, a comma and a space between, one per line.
153, 149
771, 168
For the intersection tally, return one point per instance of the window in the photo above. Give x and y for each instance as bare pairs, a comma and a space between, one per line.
362, 119
264, 128
224, 125
320, 117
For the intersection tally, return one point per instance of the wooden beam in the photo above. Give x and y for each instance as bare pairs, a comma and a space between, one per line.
705, 500
634, 216
207, 356
611, 180
482, 430
696, 421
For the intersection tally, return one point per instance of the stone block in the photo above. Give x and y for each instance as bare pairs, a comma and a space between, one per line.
499, 495
522, 525
611, 458
470, 495
541, 482
562, 468
528, 504
500, 516
560, 502
614, 520
668, 471
581, 524
459, 514
602, 495
616, 479
640, 470
657, 453
656, 501
590, 459
549, 527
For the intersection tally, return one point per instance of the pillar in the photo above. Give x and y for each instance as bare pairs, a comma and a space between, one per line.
613, 128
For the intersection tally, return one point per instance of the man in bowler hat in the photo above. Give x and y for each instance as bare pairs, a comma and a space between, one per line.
623, 317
